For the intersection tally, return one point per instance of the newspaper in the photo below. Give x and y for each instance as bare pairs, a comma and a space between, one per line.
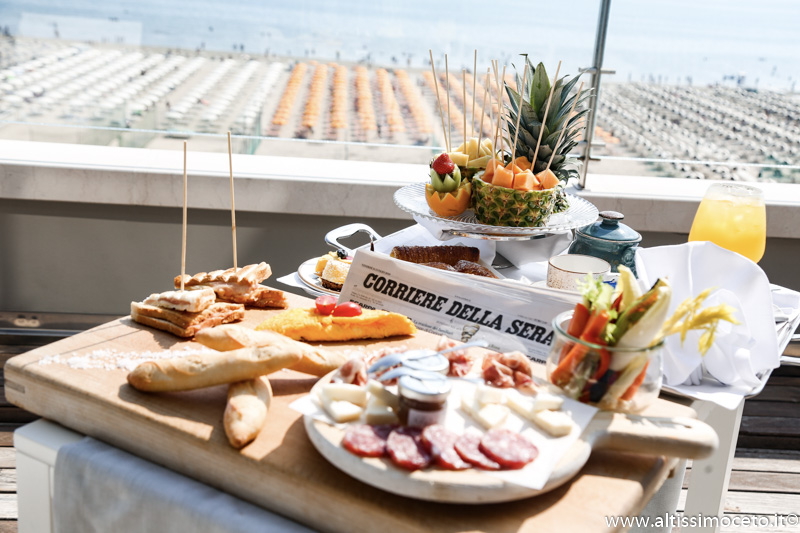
507, 314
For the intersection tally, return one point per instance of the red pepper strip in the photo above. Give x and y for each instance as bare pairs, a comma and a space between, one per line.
636, 384
605, 361
576, 326
617, 303
563, 372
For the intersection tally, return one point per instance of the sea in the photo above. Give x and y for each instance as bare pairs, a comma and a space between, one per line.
686, 42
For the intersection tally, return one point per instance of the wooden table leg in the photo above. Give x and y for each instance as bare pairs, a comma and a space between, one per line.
709, 481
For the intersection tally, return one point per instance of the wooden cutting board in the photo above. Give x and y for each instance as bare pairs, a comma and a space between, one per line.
281, 470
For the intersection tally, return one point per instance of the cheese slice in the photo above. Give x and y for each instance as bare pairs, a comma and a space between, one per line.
341, 411
379, 413
489, 416
545, 400
556, 423
344, 392
376, 389
523, 405
486, 394
492, 415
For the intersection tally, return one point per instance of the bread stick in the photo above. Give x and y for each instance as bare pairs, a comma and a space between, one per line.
315, 360
207, 370
246, 411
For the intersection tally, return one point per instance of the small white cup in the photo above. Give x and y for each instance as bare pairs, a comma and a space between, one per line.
566, 271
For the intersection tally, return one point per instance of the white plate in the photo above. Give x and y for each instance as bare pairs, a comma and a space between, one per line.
306, 273
411, 199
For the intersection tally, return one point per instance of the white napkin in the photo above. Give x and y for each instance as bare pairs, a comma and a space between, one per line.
740, 352
435, 227
428, 233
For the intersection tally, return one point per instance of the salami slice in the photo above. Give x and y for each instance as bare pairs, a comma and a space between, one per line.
468, 448
365, 440
510, 449
405, 448
440, 443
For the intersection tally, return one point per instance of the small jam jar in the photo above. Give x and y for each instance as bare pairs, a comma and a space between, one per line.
423, 399
435, 362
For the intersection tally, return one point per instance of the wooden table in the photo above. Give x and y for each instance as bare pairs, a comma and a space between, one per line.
280, 470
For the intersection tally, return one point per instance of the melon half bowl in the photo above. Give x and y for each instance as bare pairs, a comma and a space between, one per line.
501, 206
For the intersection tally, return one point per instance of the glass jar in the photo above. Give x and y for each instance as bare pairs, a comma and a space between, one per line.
617, 379
423, 399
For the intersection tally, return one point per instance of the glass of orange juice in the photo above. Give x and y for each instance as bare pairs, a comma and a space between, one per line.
733, 216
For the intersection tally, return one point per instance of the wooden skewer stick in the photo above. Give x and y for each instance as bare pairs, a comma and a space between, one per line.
544, 119
499, 127
491, 124
519, 116
438, 100
183, 249
233, 204
483, 107
449, 123
564, 128
474, 80
464, 99
499, 115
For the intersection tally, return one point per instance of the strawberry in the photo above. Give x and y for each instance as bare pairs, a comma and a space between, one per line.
443, 164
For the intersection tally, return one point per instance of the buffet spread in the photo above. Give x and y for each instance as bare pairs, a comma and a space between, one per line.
420, 370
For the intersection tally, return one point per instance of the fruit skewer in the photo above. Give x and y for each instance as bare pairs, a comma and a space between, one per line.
464, 100
449, 124
498, 135
519, 116
474, 74
483, 107
438, 100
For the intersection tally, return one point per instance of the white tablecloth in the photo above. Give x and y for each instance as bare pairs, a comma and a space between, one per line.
98, 488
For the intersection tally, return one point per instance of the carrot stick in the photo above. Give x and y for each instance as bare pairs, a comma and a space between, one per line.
563, 372
576, 326
580, 317
628, 395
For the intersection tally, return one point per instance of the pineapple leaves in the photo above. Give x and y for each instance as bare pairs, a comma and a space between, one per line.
551, 139
553, 106
513, 97
557, 160
540, 88
544, 153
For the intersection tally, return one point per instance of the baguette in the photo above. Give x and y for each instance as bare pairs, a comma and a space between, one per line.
207, 370
246, 410
315, 360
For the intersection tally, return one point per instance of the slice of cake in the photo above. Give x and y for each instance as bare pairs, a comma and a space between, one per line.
334, 274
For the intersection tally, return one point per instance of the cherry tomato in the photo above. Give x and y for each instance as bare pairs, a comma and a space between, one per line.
325, 304
347, 309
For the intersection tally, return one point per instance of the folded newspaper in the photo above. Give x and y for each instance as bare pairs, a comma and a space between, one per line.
509, 315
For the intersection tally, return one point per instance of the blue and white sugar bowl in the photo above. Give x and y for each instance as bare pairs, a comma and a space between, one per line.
608, 239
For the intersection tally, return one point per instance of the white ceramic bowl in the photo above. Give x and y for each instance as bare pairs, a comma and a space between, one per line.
565, 271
